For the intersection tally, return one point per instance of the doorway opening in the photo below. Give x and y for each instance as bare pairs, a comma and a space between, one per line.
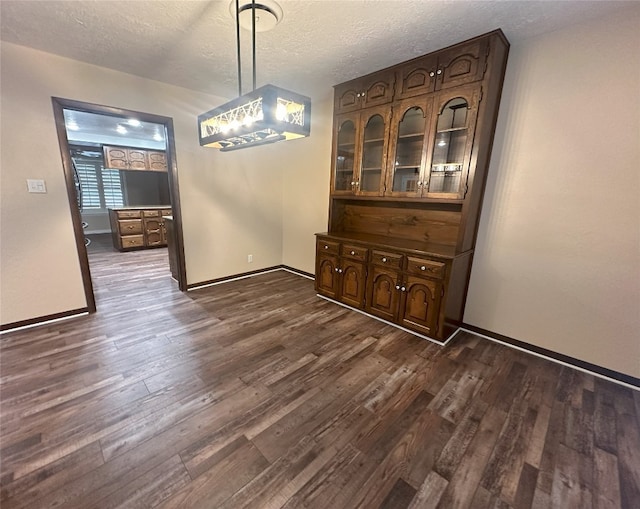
98, 185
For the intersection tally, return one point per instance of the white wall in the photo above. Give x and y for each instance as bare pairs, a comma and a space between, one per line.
557, 262
231, 203
306, 189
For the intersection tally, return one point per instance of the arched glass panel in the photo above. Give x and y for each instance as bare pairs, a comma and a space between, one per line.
449, 148
409, 151
371, 173
345, 155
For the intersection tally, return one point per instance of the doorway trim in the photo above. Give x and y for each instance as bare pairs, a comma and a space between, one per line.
59, 105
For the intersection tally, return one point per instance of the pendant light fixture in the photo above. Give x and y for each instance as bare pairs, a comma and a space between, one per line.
264, 115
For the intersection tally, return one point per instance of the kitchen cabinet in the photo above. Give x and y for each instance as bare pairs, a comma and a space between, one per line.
129, 158
138, 227
410, 156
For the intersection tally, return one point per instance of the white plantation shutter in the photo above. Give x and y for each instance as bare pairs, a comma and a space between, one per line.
101, 188
112, 188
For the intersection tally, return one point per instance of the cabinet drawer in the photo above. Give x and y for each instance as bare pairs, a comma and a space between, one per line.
354, 252
130, 226
165, 212
327, 246
386, 259
132, 241
127, 214
429, 268
150, 213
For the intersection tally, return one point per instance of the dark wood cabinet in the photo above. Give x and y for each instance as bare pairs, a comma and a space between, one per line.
129, 158
383, 295
341, 271
420, 304
138, 227
360, 152
410, 154
365, 92
452, 67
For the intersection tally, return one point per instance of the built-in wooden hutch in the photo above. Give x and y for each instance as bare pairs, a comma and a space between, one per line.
411, 149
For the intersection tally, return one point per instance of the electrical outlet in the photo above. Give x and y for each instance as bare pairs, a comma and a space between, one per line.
250, 258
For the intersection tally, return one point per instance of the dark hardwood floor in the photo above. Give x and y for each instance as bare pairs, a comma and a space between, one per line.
256, 393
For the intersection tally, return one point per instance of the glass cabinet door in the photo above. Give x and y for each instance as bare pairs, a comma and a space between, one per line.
345, 152
452, 146
409, 150
373, 152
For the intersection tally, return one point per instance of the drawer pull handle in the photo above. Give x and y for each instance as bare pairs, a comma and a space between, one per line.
326, 247
337, 269
352, 253
402, 289
384, 260
423, 268
397, 287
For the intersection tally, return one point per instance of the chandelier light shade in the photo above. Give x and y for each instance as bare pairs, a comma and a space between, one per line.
265, 115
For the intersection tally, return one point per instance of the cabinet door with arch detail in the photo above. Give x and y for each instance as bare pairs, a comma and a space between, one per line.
383, 297
327, 276
451, 141
464, 64
373, 144
364, 92
408, 147
378, 90
421, 305
352, 283
417, 77
346, 156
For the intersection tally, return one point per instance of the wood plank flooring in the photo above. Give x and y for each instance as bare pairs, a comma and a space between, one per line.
256, 393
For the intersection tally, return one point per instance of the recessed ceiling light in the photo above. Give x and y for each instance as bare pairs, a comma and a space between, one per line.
133, 122
121, 129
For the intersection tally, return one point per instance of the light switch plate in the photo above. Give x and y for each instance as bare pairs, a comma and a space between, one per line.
36, 186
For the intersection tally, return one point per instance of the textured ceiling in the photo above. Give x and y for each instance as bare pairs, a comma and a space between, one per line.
317, 44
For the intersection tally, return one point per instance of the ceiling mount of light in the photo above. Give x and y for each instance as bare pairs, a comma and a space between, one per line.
268, 14
264, 115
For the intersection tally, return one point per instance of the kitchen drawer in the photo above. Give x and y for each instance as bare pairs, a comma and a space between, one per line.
354, 252
386, 259
128, 214
165, 212
132, 241
130, 226
151, 213
422, 267
327, 246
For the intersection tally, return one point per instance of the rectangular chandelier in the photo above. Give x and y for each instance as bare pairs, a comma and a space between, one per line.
265, 115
